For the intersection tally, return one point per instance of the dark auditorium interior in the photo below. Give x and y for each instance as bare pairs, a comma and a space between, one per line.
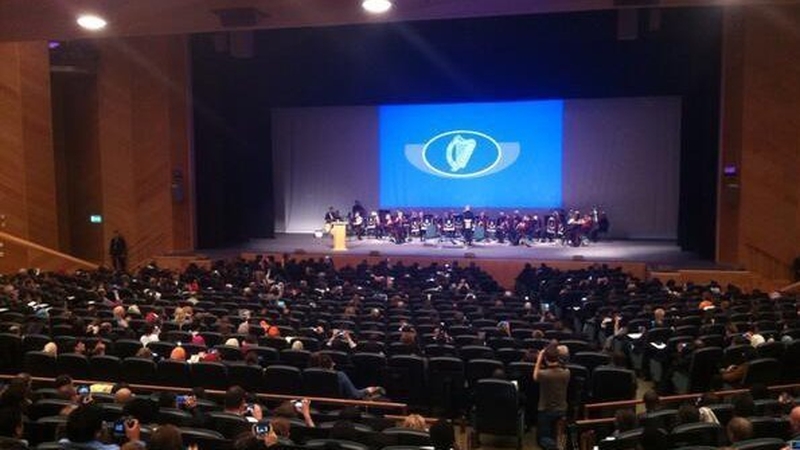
163, 288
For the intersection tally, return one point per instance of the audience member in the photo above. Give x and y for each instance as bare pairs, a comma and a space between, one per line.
739, 429
553, 380
84, 426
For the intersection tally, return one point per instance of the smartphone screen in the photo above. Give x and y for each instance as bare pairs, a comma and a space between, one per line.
261, 429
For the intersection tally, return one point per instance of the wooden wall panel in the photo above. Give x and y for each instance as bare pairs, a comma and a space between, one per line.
27, 169
768, 238
143, 138
37, 134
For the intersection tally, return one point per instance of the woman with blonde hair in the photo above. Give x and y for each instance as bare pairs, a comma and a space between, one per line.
51, 349
415, 422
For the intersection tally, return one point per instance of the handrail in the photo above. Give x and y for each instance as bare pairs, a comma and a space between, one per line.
33, 245
326, 400
677, 398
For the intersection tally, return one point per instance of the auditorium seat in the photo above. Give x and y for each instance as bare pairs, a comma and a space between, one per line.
74, 365
612, 384
470, 352
765, 371
105, 368
227, 424
760, 444
590, 360
40, 364
210, 375
138, 370
446, 385
770, 427
174, 416
369, 369
321, 383
173, 373
126, 348
250, 378
335, 443
405, 436
703, 366
478, 369
229, 352
663, 418
497, 410
696, 434
295, 358
10, 352
405, 379
280, 379
34, 342
204, 438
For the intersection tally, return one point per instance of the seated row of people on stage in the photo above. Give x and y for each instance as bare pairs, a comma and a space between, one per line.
466, 227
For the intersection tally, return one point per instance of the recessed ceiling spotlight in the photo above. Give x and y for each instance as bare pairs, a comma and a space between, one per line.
376, 6
92, 22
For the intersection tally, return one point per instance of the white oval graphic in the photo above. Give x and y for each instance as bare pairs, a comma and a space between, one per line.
459, 151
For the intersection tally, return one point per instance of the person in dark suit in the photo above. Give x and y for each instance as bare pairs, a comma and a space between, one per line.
118, 250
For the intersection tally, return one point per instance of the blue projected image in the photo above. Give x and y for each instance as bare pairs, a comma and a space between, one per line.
504, 155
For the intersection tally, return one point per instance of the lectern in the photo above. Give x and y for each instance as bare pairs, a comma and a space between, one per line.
339, 233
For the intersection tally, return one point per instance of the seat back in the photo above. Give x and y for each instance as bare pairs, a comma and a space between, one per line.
446, 385
74, 365
210, 375
405, 379
321, 383
478, 369
612, 383
105, 368
173, 373
590, 360
138, 370
696, 434
766, 371
703, 367
279, 379
248, 377
760, 444
497, 408
405, 436
369, 369
40, 364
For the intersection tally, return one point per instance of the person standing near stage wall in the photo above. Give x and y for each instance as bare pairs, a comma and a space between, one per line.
118, 250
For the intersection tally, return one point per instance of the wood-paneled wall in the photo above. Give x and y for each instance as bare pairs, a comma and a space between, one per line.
27, 167
142, 89
760, 219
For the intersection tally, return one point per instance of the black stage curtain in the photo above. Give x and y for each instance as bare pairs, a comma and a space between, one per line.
573, 55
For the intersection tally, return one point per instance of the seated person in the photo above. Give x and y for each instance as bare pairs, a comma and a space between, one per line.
346, 387
296, 409
236, 403
739, 429
11, 429
84, 426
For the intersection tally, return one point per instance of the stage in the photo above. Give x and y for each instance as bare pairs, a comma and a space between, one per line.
652, 253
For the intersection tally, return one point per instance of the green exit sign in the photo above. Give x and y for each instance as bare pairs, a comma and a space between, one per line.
96, 218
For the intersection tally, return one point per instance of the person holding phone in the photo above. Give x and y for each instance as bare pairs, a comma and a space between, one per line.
291, 409
84, 428
553, 378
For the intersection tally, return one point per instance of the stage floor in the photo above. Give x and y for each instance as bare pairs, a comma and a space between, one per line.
656, 254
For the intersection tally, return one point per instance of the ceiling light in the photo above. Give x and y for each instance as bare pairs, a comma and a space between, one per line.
91, 22
376, 6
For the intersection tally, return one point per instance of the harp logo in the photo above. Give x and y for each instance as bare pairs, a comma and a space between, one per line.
462, 154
